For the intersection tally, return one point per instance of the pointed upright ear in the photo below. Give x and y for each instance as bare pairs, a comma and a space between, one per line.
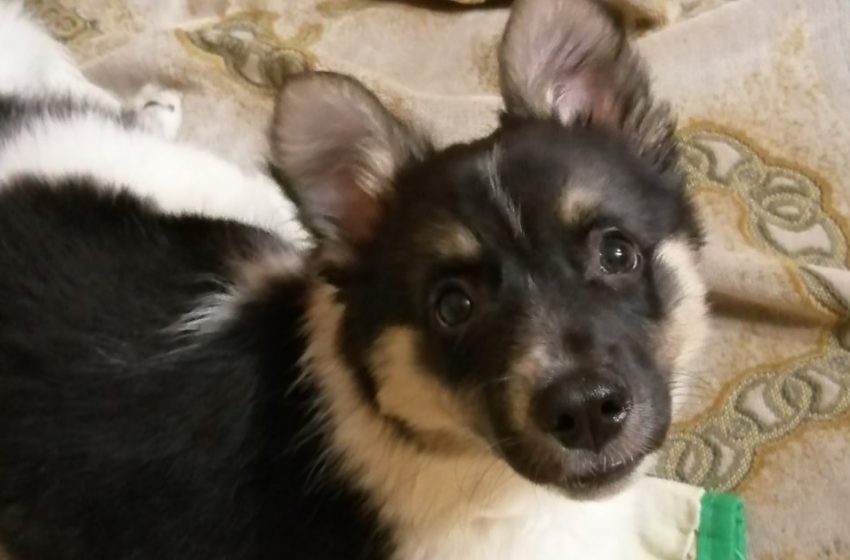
339, 150
571, 60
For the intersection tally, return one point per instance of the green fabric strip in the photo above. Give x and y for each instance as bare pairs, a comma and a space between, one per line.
722, 533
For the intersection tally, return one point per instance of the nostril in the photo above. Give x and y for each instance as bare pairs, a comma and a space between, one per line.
613, 410
565, 424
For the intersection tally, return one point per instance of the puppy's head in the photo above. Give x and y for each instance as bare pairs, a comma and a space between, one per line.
534, 291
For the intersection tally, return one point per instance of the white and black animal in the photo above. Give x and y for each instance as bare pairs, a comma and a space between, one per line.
477, 349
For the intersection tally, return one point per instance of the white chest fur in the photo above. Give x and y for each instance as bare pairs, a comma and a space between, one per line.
527, 523
651, 520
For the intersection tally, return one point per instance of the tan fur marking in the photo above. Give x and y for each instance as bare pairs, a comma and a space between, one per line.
421, 490
525, 375
256, 274
407, 392
578, 204
685, 329
451, 240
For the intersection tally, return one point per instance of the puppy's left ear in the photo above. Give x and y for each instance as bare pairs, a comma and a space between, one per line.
571, 60
340, 150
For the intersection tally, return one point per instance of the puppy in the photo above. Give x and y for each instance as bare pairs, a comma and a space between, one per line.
475, 355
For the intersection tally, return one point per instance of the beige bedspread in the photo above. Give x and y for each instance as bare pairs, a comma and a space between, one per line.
763, 91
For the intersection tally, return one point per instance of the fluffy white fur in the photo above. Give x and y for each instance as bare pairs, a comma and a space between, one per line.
31, 62
178, 178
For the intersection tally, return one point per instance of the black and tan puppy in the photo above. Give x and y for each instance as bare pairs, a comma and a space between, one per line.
479, 348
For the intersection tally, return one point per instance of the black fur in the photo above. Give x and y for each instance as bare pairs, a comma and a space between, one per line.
121, 440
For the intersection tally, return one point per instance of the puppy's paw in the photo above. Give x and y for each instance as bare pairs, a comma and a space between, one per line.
158, 110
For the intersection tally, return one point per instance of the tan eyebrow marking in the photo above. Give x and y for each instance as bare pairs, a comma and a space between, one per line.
578, 204
451, 240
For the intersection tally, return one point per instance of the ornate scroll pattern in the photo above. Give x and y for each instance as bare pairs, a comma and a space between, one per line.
251, 51
788, 215
64, 23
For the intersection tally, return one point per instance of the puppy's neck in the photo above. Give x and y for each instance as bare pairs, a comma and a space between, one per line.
434, 477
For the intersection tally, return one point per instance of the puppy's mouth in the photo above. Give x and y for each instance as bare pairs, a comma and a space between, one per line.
608, 474
580, 475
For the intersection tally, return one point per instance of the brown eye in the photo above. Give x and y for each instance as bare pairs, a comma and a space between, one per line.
617, 254
453, 306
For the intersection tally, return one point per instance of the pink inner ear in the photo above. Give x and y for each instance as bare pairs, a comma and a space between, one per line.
359, 213
353, 211
573, 101
569, 59
340, 148
587, 95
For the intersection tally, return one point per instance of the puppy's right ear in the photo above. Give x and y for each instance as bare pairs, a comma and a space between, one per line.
339, 149
570, 60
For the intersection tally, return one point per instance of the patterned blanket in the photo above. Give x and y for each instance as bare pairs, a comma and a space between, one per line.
763, 91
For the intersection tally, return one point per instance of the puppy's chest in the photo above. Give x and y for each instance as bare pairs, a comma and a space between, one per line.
539, 525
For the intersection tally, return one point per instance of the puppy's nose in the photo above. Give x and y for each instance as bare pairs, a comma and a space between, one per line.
582, 412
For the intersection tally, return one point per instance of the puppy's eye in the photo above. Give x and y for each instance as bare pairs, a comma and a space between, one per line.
617, 254
453, 306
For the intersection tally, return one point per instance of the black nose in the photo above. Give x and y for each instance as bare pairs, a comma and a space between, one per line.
582, 412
